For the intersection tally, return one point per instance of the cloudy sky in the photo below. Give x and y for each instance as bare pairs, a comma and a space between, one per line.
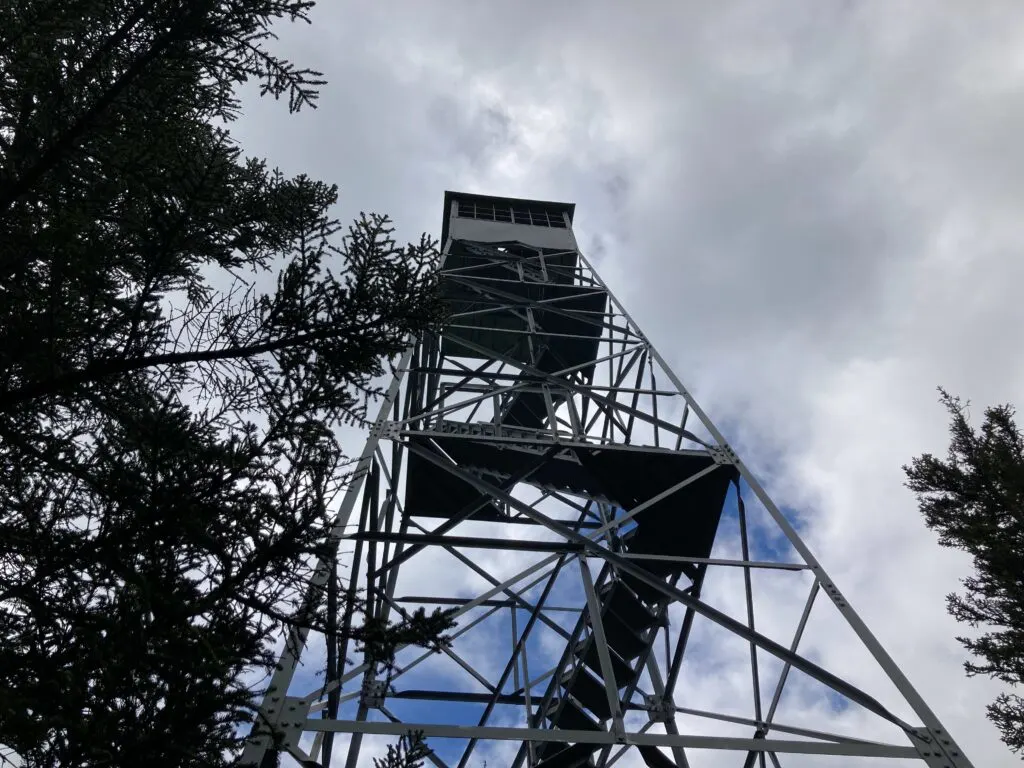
810, 207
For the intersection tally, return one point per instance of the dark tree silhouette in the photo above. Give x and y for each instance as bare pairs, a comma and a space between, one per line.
974, 499
168, 413
409, 752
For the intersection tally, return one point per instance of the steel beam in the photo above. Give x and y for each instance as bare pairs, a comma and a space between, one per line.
498, 733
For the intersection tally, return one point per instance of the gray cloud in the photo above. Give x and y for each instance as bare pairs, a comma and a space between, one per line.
473, 136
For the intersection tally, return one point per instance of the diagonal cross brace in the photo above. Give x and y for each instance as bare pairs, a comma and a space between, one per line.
779, 651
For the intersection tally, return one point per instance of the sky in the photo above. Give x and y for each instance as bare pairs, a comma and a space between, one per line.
809, 207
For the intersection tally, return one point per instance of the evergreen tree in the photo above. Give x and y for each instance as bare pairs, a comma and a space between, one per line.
409, 752
168, 450
974, 499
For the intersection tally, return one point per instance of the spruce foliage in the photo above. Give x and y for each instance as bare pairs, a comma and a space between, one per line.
974, 500
168, 411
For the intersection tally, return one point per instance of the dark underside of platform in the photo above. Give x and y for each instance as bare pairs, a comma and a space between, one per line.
681, 524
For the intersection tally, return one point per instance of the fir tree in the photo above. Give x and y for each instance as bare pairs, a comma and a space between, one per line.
974, 499
410, 752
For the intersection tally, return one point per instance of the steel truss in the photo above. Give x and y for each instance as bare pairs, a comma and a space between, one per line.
542, 450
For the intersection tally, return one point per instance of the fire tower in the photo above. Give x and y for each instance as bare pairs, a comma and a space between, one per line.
540, 469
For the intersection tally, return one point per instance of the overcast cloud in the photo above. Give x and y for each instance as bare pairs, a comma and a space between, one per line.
810, 207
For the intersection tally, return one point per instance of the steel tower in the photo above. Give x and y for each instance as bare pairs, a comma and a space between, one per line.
540, 468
